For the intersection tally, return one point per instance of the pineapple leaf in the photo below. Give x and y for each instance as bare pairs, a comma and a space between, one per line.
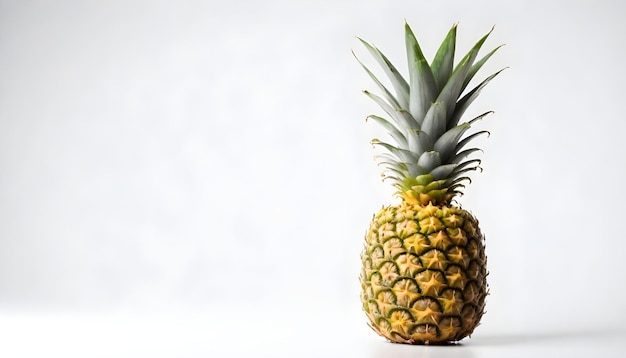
411, 168
453, 185
423, 88
457, 188
394, 178
444, 59
397, 81
435, 121
408, 119
464, 142
460, 179
378, 157
464, 154
467, 99
429, 160
456, 182
469, 58
422, 180
477, 118
419, 141
463, 166
401, 119
396, 167
454, 86
391, 129
402, 155
415, 170
388, 95
448, 142
477, 66
456, 178
443, 171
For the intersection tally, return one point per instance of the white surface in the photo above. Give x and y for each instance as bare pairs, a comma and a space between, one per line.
183, 155
295, 334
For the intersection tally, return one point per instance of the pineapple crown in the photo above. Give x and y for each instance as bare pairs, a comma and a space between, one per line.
428, 162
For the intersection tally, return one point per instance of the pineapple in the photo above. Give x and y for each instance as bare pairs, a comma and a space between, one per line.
423, 274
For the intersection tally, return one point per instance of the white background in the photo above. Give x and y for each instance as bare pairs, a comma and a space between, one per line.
198, 174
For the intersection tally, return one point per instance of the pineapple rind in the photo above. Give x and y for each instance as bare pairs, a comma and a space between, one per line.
424, 273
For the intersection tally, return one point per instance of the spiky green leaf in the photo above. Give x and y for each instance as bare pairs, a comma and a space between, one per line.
463, 154
391, 129
444, 59
468, 139
391, 99
422, 89
398, 82
452, 90
471, 164
395, 167
429, 160
474, 69
435, 120
419, 141
447, 143
467, 99
402, 155
443, 171
402, 120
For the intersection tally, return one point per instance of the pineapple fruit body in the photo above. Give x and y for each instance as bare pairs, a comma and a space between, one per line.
424, 273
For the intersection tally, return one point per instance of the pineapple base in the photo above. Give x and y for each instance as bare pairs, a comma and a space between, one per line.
424, 274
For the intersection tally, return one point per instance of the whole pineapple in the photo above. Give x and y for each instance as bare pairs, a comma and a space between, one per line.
424, 267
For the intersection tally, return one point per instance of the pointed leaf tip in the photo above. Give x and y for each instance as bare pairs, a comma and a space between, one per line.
422, 85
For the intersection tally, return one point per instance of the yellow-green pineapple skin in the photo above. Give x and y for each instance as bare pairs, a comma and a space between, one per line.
424, 273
